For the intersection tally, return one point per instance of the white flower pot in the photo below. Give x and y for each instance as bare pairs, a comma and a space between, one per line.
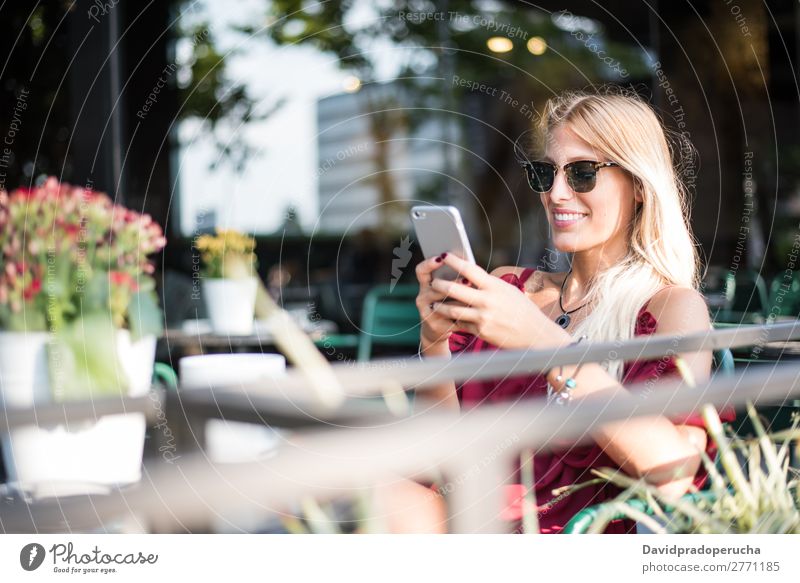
231, 304
232, 441
80, 458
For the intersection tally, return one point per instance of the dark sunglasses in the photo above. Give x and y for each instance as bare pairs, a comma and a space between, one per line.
581, 175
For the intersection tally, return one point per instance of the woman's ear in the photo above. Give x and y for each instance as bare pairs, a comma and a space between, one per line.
638, 190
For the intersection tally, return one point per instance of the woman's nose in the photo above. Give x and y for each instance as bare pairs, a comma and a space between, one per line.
561, 190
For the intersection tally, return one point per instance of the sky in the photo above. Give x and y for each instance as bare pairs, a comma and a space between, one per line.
284, 173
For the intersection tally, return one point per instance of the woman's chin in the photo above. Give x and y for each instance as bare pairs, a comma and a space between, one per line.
568, 244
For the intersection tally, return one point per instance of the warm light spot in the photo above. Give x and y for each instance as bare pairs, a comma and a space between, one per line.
352, 84
499, 44
537, 45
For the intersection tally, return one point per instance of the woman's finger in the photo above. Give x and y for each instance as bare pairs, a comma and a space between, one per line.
459, 314
464, 294
431, 294
426, 268
471, 271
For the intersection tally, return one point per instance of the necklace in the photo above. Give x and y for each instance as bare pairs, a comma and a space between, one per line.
563, 320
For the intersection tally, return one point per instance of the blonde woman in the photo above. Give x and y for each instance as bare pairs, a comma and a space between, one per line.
607, 182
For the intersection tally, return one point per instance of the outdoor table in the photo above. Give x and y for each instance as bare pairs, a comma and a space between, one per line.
195, 337
115, 510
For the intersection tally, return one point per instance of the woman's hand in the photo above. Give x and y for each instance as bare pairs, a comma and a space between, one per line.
436, 328
492, 309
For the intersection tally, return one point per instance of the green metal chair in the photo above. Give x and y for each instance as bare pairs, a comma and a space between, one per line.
389, 318
165, 374
583, 520
749, 298
784, 297
723, 361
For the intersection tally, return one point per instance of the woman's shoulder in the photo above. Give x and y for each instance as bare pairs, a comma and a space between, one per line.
677, 308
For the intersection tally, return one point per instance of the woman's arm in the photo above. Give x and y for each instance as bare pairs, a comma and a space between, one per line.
442, 396
654, 447
650, 447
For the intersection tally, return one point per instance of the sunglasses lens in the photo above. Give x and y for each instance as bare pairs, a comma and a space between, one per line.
581, 176
540, 176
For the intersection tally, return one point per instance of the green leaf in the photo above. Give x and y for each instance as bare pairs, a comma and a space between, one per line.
144, 315
83, 361
96, 293
30, 319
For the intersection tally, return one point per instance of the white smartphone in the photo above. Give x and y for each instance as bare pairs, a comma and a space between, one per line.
440, 229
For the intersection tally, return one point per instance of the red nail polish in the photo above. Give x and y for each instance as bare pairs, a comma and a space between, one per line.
443, 255
439, 259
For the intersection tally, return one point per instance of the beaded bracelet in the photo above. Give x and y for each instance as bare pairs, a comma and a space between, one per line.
564, 396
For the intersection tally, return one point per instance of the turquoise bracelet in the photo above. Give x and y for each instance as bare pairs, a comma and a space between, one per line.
564, 396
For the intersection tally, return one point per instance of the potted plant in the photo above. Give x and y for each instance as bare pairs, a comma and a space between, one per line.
229, 280
78, 320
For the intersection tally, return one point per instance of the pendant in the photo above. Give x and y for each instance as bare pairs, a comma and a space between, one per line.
563, 320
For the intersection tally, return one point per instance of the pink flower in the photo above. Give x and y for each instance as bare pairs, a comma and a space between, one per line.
23, 192
122, 279
34, 288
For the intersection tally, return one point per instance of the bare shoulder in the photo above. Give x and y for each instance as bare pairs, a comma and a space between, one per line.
677, 308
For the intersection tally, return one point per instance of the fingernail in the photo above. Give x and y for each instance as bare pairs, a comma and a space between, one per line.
465, 280
443, 255
439, 259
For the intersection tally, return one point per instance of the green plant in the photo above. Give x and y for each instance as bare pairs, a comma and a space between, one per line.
753, 490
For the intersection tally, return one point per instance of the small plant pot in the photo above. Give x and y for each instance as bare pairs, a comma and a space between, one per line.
231, 304
232, 441
83, 458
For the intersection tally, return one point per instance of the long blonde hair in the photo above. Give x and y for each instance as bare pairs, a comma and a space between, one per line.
662, 250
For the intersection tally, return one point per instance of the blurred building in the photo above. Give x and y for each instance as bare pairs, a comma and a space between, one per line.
379, 153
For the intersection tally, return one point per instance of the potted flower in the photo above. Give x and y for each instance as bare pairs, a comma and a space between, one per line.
78, 320
229, 280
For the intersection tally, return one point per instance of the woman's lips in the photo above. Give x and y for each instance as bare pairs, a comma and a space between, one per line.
566, 220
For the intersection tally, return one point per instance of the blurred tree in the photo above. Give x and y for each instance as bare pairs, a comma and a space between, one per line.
206, 93
441, 58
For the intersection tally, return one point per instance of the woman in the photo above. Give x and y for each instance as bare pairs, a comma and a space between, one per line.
608, 184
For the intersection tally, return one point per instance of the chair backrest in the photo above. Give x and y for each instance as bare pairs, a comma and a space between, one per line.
784, 296
720, 283
751, 293
740, 296
390, 317
723, 361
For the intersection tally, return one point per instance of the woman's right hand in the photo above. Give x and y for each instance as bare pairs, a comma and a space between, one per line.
436, 328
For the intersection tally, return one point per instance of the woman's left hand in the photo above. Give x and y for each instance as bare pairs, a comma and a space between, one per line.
495, 310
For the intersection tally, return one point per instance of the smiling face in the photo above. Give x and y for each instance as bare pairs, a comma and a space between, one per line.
597, 220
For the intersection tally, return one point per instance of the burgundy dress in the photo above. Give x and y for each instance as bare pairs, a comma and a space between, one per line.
556, 468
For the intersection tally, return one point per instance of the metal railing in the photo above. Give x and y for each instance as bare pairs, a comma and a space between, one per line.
332, 453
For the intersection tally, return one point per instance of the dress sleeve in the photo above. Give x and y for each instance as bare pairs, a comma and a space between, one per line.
653, 370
